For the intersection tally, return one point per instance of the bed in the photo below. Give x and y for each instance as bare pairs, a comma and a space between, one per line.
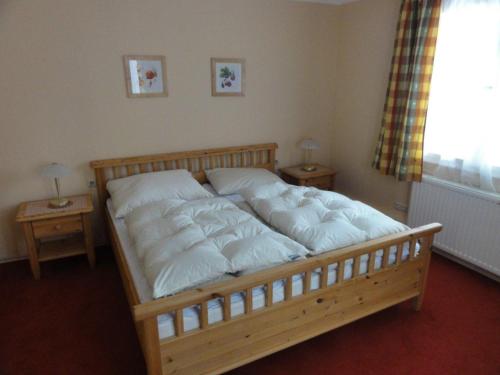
238, 320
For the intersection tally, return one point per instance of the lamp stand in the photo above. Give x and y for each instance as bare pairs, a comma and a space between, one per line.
58, 202
308, 166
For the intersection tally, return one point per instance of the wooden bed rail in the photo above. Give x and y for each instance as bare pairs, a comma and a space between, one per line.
246, 283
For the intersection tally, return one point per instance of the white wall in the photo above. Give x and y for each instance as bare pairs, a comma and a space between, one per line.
366, 32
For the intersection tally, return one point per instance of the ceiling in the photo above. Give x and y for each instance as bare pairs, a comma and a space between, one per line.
333, 2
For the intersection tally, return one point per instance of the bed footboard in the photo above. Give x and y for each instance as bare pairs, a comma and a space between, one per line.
218, 347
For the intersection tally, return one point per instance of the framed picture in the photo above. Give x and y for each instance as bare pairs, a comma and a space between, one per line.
228, 77
146, 76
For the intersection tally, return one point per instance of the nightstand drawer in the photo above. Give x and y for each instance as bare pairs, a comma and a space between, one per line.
58, 226
320, 182
321, 178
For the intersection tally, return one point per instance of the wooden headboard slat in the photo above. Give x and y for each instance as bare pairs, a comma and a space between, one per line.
197, 161
181, 155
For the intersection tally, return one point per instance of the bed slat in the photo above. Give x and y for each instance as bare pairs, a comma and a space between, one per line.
248, 301
307, 282
179, 323
399, 253
385, 257
288, 288
269, 294
340, 271
371, 262
130, 170
413, 245
227, 307
204, 315
324, 276
356, 265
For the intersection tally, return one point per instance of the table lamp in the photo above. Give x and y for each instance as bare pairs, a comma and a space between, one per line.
57, 171
308, 145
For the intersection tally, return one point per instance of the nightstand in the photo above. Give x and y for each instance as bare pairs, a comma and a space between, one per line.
57, 233
321, 178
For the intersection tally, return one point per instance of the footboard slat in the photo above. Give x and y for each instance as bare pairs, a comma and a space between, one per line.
413, 244
204, 315
371, 262
324, 277
355, 266
179, 322
399, 254
269, 294
248, 300
227, 307
288, 288
340, 271
385, 257
307, 282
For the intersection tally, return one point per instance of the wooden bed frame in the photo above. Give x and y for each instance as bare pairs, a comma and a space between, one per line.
219, 347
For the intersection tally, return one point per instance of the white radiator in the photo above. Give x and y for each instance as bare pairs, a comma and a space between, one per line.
470, 218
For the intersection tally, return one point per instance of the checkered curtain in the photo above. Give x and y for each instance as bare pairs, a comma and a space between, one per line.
400, 147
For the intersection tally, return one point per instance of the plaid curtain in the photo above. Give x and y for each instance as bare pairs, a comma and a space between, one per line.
400, 146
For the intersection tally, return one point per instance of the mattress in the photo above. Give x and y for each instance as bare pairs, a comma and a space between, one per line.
215, 307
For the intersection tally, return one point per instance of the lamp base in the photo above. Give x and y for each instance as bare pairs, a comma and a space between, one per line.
309, 168
59, 203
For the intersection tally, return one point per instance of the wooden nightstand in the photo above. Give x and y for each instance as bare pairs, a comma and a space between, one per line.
322, 177
57, 233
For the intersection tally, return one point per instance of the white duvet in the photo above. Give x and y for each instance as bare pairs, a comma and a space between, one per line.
320, 220
186, 243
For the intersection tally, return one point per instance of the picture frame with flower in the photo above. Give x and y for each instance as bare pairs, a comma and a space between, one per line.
145, 76
228, 76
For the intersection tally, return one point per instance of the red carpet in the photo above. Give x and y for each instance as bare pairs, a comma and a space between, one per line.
76, 321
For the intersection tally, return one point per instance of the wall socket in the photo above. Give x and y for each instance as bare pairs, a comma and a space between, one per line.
92, 184
401, 207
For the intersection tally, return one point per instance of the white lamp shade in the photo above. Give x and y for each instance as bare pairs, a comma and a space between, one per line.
309, 144
55, 170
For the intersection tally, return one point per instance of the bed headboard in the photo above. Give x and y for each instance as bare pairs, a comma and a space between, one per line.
197, 161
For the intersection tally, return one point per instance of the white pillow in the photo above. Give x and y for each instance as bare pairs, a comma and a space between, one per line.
134, 191
232, 180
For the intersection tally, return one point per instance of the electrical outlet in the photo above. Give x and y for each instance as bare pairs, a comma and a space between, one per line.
401, 206
92, 184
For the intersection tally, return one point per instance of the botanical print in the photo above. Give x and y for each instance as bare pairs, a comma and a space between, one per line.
228, 77
145, 76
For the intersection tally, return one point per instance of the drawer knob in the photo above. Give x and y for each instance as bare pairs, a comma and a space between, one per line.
57, 226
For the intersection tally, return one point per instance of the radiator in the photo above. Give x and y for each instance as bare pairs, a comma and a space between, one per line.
470, 218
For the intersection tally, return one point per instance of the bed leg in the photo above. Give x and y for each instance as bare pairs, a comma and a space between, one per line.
426, 250
151, 346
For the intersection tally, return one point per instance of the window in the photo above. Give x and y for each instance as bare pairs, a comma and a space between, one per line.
462, 138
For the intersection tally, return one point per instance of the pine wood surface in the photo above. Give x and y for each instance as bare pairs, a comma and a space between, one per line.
57, 233
322, 178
